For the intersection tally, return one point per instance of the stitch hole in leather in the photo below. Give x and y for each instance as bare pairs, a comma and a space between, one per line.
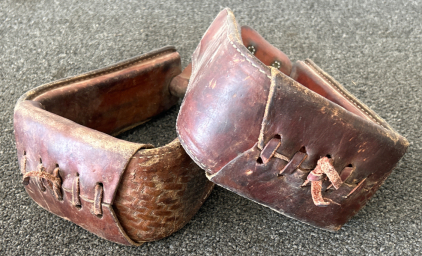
347, 172
25, 181
75, 193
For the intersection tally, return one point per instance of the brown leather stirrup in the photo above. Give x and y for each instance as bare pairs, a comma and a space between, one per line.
287, 136
125, 192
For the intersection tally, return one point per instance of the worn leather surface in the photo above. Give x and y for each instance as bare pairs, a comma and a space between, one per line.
66, 124
235, 105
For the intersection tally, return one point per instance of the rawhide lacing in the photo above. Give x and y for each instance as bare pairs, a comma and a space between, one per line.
53, 183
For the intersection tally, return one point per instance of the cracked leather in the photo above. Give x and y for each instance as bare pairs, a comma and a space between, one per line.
236, 106
147, 193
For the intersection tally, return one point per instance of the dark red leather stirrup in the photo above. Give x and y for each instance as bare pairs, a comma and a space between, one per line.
125, 192
289, 137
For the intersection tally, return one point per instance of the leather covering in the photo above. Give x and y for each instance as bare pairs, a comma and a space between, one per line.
62, 140
260, 133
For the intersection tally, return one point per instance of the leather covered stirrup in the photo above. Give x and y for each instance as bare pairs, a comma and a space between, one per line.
287, 136
125, 192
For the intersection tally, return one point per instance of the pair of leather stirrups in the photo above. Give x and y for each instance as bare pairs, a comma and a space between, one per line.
287, 136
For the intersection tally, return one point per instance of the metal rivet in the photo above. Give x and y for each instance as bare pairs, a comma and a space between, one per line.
252, 49
276, 64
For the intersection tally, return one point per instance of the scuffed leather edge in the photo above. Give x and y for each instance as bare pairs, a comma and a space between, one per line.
353, 99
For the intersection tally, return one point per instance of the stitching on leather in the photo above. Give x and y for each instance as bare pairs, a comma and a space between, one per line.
58, 84
271, 93
192, 155
253, 64
85, 198
143, 157
345, 95
267, 109
241, 53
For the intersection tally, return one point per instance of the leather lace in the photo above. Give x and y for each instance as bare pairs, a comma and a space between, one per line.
53, 183
323, 169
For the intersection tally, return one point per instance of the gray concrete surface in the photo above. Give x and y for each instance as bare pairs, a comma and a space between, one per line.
373, 47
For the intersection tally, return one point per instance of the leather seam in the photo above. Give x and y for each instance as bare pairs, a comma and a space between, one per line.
267, 109
156, 155
344, 95
247, 59
190, 153
85, 198
237, 49
181, 140
75, 79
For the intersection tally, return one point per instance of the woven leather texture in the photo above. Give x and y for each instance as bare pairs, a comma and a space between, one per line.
160, 192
